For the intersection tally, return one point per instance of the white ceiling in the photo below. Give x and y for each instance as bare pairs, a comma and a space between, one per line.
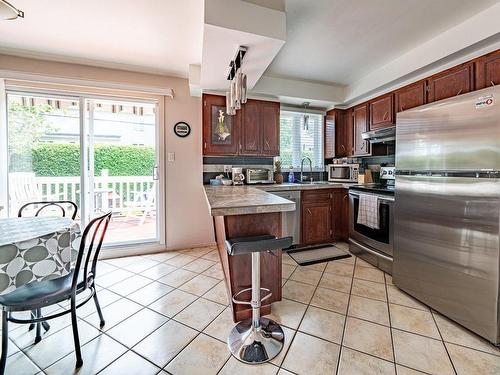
143, 35
340, 41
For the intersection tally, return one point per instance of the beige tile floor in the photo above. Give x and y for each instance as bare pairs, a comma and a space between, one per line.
168, 314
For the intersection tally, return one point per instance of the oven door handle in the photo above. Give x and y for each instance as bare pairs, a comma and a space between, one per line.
380, 197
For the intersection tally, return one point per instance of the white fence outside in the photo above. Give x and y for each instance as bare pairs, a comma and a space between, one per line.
120, 194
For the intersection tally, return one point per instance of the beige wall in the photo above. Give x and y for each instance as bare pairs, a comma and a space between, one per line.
187, 220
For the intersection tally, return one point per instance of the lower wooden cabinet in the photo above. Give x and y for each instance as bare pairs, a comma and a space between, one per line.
324, 216
316, 222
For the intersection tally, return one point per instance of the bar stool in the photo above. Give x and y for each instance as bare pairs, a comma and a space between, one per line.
256, 340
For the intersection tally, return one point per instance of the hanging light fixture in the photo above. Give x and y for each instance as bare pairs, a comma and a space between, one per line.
306, 115
9, 11
237, 94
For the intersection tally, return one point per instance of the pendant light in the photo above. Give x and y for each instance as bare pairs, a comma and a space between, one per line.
9, 11
237, 94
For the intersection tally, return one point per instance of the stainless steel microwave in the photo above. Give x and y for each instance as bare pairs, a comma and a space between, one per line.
259, 176
343, 172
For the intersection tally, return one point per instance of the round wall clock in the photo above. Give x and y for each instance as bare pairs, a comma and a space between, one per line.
182, 129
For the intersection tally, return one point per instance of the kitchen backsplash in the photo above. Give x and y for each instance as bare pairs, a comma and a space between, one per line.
214, 165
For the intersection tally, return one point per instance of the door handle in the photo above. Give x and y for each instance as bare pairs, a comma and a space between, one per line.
155, 173
458, 93
309, 211
385, 114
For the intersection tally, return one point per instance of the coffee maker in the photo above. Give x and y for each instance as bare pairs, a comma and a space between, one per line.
238, 176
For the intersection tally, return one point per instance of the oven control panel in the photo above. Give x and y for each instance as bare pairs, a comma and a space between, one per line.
387, 173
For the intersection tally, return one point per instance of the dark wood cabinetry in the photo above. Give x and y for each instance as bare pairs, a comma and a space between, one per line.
330, 139
455, 81
382, 111
360, 125
488, 70
220, 131
251, 129
260, 128
316, 216
337, 139
410, 96
254, 130
325, 216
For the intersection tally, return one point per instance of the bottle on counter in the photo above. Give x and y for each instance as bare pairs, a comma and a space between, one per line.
291, 176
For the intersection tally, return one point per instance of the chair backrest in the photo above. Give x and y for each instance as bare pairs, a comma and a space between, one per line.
90, 246
62, 207
23, 188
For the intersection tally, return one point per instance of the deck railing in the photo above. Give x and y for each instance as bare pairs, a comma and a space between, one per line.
117, 193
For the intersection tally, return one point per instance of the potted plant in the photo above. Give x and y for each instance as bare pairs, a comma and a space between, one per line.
278, 177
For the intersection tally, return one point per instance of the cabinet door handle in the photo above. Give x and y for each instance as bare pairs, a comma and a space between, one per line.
309, 211
205, 145
492, 83
459, 92
267, 144
363, 145
385, 114
342, 147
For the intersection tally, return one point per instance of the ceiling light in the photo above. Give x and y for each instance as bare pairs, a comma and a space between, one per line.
9, 12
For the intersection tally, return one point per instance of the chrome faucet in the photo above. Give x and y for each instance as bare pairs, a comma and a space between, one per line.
302, 169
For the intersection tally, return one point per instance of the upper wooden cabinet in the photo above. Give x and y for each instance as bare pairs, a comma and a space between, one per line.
337, 140
488, 70
270, 112
260, 133
454, 81
330, 140
251, 134
360, 125
220, 131
254, 130
382, 111
410, 96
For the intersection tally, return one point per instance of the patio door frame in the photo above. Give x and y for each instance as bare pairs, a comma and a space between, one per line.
115, 249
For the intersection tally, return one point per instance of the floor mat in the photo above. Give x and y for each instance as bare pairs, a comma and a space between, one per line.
306, 256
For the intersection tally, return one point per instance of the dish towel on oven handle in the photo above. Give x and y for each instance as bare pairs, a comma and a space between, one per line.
368, 213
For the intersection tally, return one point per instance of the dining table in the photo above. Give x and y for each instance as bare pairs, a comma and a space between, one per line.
35, 249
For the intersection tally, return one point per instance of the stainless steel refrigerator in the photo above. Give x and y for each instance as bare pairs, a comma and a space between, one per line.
447, 208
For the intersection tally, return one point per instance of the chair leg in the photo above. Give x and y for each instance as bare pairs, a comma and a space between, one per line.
5, 342
98, 307
38, 337
33, 316
76, 338
45, 326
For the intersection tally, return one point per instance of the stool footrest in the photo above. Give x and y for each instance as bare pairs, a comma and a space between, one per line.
240, 302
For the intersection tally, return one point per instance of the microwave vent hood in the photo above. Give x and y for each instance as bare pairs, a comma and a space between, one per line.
385, 135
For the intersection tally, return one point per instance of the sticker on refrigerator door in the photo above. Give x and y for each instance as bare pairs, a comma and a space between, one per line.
484, 101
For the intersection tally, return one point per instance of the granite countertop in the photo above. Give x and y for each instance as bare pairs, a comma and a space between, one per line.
314, 186
243, 200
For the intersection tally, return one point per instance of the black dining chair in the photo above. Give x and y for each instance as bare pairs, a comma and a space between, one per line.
37, 295
65, 208
58, 208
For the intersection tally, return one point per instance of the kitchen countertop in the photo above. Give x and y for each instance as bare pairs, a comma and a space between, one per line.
254, 199
243, 200
289, 186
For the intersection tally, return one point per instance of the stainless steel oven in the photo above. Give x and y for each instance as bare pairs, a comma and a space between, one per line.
377, 245
343, 172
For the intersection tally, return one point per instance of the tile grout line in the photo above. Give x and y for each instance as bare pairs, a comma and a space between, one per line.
443, 342
390, 325
346, 315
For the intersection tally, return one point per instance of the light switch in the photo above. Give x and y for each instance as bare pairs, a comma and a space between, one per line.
171, 156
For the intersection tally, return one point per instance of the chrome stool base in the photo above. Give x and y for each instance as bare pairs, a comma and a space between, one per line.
256, 345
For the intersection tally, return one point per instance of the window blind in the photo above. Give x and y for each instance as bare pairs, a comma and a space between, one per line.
301, 135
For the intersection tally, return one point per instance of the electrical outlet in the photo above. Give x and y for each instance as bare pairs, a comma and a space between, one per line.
227, 168
171, 156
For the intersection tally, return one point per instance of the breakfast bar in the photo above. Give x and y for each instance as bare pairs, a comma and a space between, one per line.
242, 211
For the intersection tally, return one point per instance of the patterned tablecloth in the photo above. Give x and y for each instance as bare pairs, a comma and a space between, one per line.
35, 249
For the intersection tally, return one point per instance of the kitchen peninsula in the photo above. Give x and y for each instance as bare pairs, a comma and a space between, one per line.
242, 211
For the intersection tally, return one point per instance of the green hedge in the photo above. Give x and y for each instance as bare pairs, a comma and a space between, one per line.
54, 159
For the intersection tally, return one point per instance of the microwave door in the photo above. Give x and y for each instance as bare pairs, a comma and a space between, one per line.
341, 173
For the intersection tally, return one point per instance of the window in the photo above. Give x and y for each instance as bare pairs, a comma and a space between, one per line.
301, 135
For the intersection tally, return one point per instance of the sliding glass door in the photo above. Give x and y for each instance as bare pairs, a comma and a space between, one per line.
122, 168
99, 153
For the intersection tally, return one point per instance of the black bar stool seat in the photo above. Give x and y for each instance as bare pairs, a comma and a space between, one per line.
256, 340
